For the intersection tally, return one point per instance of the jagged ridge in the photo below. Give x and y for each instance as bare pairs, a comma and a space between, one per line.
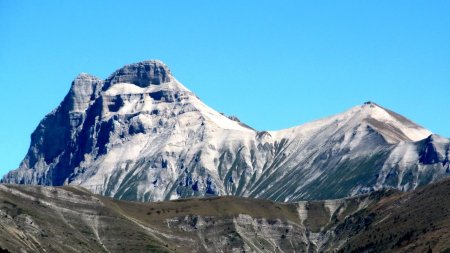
141, 135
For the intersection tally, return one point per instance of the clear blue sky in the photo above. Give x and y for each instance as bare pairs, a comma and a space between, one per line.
274, 64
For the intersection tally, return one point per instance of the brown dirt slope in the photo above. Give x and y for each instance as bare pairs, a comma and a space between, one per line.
71, 219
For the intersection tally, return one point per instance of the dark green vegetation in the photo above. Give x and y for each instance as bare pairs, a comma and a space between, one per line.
71, 219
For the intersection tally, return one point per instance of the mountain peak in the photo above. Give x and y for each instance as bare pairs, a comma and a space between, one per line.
393, 126
86, 76
85, 87
142, 74
370, 104
142, 135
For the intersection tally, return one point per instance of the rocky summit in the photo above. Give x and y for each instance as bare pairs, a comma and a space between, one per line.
141, 135
142, 74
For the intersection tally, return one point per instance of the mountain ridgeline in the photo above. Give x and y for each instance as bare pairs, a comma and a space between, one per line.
141, 135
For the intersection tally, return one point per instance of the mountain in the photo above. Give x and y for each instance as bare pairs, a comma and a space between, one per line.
141, 135
72, 219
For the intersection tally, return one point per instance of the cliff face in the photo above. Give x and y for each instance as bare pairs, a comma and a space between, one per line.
141, 135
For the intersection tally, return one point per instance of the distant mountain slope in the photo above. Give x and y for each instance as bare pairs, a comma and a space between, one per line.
71, 219
142, 135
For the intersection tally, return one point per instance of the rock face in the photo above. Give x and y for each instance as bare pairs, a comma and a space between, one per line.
142, 74
71, 219
141, 135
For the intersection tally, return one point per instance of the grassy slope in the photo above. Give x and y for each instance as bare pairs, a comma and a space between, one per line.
70, 219
408, 222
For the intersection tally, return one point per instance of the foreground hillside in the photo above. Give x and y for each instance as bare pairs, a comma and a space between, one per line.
71, 219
